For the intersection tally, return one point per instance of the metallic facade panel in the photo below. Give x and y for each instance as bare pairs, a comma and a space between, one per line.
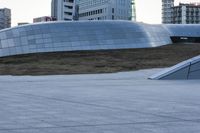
189, 69
87, 35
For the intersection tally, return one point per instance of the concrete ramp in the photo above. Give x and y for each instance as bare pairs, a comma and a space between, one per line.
189, 69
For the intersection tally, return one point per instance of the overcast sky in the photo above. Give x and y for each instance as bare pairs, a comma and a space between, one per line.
148, 11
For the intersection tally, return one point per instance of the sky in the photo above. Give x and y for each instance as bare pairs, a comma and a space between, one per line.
147, 11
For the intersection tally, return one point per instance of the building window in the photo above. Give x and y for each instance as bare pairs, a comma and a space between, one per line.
113, 10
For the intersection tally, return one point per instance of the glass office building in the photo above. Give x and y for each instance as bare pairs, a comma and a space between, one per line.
107, 10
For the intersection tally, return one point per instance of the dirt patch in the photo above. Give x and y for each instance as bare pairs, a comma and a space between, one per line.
106, 61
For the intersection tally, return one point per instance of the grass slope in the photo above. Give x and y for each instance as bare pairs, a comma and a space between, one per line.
106, 61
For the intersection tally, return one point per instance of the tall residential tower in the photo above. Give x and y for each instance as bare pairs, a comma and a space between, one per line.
167, 6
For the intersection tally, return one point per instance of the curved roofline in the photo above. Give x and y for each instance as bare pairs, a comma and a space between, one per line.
80, 21
89, 35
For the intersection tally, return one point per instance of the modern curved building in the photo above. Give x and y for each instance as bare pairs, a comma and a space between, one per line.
91, 35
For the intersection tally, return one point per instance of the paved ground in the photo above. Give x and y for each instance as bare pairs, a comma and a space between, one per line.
104, 103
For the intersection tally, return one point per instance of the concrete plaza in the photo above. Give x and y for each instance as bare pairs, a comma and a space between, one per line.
101, 103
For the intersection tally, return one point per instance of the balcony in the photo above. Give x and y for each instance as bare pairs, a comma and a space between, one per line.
66, 9
68, 4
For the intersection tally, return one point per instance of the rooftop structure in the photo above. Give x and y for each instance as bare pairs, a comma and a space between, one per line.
5, 18
22, 23
43, 19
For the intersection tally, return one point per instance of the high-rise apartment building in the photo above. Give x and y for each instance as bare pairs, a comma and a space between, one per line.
64, 10
186, 14
167, 11
5, 18
107, 10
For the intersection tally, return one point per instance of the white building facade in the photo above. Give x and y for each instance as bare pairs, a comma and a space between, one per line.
186, 14
107, 10
64, 10
167, 11
5, 18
